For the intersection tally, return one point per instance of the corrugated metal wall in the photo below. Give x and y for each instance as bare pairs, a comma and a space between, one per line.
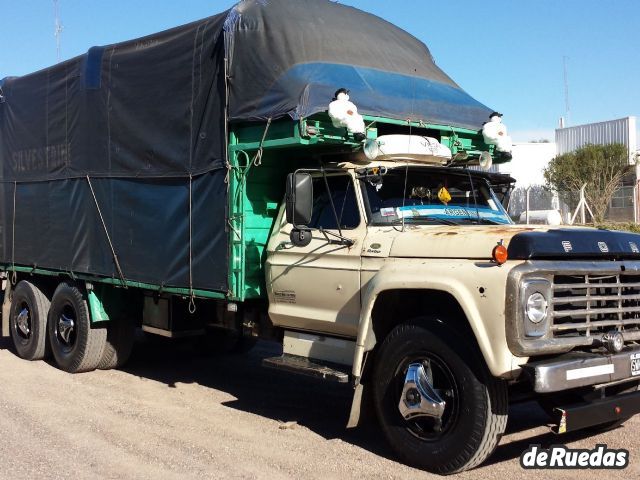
622, 131
624, 205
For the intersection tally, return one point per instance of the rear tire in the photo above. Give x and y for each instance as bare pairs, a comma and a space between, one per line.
222, 341
76, 345
475, 415
28, 321
119, 344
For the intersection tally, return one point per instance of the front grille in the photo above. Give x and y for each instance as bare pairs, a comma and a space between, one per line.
592, 304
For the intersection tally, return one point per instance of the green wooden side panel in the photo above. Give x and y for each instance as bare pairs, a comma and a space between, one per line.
256, 189
264, 192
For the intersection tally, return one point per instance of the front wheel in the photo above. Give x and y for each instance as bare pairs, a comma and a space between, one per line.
436, 402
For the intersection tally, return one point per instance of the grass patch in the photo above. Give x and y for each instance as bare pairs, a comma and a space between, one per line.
627, 227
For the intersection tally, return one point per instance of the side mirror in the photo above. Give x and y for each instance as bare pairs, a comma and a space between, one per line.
299, 198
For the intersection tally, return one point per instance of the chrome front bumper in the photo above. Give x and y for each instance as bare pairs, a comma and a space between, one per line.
581, 369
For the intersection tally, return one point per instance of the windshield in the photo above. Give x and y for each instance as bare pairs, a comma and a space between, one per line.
431, 196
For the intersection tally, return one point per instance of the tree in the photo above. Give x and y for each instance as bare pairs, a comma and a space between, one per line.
601, 167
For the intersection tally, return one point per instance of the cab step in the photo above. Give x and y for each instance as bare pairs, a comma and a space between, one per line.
304, 366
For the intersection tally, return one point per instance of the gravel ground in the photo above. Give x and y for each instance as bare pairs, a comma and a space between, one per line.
171, 415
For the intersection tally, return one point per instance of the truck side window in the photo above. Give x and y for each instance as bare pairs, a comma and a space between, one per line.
344, 200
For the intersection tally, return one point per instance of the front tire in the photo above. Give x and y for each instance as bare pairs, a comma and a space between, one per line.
76, 345
28, 321
467, 430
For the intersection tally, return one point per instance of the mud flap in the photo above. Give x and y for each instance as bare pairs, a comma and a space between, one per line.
362, 410
6, 308
356, 404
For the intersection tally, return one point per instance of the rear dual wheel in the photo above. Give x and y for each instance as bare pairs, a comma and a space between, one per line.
222, 341
28, 321
76, 344
119, 343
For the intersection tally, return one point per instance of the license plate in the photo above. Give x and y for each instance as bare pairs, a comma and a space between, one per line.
635, 364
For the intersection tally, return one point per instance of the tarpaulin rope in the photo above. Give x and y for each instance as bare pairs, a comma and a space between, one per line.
229, 168
192, 303
106, 231
406, 178
257, 159
13, 236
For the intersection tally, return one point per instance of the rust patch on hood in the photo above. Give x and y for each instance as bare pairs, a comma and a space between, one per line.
472, 241
510, 231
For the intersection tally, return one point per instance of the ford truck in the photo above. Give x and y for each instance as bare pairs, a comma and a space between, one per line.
192, 182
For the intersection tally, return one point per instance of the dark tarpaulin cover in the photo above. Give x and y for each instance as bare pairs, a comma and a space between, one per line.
145, 121
289, 57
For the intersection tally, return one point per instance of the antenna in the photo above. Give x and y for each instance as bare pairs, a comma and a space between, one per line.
58, 28
566, 89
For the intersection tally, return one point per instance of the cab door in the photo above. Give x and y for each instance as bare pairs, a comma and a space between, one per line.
317, 287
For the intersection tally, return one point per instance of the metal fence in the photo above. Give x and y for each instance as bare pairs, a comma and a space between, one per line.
541, 201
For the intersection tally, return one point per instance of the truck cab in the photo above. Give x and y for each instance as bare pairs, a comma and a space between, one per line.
406, 276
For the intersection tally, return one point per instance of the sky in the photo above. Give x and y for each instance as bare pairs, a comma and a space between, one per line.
508, 54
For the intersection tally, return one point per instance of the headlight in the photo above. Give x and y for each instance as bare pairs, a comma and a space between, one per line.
534, 297
536, 308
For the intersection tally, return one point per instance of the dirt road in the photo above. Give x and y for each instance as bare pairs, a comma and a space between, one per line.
170, 415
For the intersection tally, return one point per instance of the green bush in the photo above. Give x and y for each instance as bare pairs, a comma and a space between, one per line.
627, 227
600, 167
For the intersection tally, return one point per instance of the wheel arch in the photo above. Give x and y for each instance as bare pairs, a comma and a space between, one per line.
385, 305
384, 309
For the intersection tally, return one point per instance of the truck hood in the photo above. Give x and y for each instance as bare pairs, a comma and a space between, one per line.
523, 242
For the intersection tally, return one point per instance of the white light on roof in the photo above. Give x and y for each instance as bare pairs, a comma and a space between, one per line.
407, 147
370, 148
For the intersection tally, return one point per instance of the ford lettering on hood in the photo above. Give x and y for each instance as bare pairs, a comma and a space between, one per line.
574, 243
523, 242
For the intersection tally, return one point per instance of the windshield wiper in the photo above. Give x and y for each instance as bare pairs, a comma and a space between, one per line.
442, 221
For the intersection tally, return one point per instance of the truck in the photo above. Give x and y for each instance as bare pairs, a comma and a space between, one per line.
192, 182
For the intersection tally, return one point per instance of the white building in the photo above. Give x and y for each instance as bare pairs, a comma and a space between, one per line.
530, 160
528, 163
527, 167
624, 204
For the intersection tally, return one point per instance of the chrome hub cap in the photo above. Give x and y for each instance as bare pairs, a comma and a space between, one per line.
22, 322
66, 326
419, 398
